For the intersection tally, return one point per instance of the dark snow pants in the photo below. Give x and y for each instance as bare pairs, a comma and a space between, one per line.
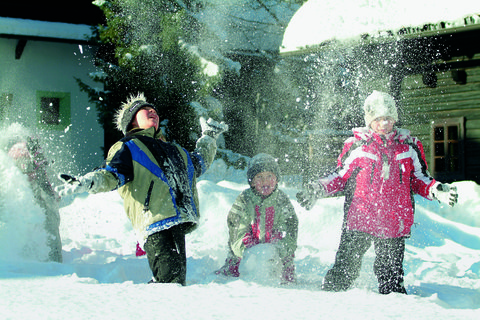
44, 196
167, 255
388, 265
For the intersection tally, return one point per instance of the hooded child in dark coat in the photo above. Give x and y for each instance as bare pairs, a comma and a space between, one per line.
28, 155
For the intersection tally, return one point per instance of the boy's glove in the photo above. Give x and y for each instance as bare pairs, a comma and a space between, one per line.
444, 193
71, 184
310, 195
212, 128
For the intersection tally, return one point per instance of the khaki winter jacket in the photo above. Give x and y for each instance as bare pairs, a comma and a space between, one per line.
253, 220
157, 180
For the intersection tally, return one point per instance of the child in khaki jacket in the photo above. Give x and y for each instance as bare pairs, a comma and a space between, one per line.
262, 214
157, 182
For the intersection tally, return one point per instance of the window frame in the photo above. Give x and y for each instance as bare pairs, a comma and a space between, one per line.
64, 112
447, 123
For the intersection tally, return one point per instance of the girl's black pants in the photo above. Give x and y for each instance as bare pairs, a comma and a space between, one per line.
388, 265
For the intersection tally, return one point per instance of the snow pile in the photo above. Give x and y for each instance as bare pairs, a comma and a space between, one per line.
101, 278
260, 265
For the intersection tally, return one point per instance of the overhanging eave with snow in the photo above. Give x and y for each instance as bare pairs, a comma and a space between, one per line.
24, 30
414, 50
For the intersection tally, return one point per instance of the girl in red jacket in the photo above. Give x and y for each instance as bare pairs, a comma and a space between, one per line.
379, 169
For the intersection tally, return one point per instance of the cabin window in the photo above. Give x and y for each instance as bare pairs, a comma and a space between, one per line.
53, 110
50, 110
447, 149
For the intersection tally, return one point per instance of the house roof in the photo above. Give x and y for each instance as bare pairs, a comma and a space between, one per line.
50, 20
44, 30
74, 12
453, 32
417, 49
318, 23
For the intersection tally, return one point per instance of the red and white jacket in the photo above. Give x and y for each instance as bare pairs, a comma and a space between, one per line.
379, 176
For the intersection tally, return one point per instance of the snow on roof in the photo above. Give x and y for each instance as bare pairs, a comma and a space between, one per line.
43, 29
319, 21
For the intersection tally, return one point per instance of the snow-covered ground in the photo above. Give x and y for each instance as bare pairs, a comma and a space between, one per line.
101, 278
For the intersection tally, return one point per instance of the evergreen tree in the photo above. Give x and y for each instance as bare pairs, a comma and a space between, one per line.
150, 46
140, 50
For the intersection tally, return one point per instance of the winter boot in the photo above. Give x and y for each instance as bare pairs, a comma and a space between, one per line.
389, 287
230, 268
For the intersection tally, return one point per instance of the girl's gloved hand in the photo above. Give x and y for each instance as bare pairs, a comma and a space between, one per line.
444, 193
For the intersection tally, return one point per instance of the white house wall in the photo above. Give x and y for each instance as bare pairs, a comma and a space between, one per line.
53, 67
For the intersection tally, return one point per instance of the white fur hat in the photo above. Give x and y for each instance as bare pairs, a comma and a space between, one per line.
379, 104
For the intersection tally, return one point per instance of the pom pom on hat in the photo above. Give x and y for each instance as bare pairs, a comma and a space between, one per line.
124, 116
262, 162
379, 104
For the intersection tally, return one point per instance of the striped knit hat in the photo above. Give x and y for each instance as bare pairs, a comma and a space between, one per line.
124, 116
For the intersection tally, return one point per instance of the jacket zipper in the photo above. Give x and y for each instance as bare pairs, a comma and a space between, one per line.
401, 172
372, 173
147, 199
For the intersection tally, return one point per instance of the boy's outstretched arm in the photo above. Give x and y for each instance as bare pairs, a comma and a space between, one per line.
92, 182
212, 128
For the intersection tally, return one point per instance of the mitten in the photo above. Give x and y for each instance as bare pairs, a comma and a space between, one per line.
250, 240
212, 128
71, 185
276, 236
139, 251
444, 193
230, 268
288, 272
308, 197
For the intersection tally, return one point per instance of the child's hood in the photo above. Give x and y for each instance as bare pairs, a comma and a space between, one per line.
262, 162
366, 134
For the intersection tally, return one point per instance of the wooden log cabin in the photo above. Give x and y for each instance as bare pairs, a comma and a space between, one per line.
433, 71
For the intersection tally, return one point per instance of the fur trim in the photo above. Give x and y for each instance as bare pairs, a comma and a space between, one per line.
124, 116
